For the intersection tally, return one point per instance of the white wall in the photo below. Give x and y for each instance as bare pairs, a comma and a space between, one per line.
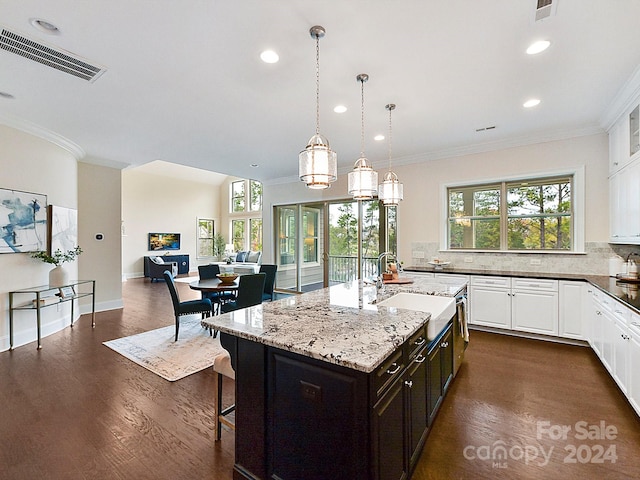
99, 199
34, 165
153, 203
419, 213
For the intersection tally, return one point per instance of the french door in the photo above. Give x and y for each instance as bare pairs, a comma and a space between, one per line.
321, 244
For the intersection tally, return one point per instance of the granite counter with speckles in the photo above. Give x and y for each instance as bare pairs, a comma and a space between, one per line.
340, 324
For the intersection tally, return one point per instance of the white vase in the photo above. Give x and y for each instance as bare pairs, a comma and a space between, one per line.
58, 277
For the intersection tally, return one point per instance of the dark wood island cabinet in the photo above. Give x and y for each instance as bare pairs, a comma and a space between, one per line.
302, 416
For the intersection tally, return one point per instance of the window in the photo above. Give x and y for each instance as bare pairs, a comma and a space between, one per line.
523, 215
255, 196
245, 202
205, 238
255, 227
237, 234
237, 196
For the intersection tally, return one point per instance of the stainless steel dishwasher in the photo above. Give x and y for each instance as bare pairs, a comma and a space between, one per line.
460, 330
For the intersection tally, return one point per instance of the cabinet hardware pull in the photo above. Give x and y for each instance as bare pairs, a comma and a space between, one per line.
420, 359
419, 342
635, 324
396, 369
408, 383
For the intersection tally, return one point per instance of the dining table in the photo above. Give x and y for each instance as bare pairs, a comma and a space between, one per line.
214, 285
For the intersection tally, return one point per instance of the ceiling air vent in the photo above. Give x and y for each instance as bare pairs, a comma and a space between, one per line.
50, 56
545, 8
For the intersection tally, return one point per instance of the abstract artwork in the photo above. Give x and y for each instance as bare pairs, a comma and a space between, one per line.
23, 221
63, 229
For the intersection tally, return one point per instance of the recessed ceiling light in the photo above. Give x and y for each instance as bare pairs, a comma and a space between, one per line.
340, 109
537, 47
269, 56
44, 26
378, 138
531, 103
6, 95
254, 165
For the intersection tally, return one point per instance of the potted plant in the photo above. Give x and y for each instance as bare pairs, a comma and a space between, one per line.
58, 276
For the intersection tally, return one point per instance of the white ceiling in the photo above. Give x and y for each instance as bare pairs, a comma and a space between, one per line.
184, 82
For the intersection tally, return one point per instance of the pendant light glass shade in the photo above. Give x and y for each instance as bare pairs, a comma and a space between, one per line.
363, 179
317, 163
390, 191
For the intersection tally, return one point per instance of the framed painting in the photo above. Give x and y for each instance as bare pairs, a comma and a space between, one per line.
63, 229
23, 221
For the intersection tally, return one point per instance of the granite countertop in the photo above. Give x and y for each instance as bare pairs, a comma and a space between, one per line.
625, 292
340, 324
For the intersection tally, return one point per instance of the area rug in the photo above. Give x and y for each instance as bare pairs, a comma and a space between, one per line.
157, 351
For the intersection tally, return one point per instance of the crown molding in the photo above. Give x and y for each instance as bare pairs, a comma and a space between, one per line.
626, 99
28, 127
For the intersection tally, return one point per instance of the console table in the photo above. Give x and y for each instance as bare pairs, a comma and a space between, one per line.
181, 259
41, 297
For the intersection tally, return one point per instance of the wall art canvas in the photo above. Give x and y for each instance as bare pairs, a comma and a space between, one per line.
63, 229
23, 221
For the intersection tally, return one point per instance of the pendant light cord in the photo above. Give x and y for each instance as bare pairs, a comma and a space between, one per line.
362, 117
317, 84
390, 107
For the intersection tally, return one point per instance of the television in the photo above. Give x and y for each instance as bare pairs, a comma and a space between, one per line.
164, 241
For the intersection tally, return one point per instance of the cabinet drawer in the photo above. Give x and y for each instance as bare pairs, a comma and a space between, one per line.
503, 282
389, 371
417, 341
535, 284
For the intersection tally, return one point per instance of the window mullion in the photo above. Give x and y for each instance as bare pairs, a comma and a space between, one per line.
504, 240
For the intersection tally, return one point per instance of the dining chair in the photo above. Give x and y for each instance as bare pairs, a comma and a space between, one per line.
250, 289
217, 298
188, 307
270, 280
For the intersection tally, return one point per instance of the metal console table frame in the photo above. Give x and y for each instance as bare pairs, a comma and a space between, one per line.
39, 294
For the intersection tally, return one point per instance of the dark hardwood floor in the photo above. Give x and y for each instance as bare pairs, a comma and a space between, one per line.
78, 410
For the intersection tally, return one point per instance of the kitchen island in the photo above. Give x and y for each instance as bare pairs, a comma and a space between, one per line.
331, 385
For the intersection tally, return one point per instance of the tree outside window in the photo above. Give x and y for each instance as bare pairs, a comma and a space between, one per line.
205, 238
255, 227
238, 196
237, 230
255, 196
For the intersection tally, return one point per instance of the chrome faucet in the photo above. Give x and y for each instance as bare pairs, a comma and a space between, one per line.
380, 257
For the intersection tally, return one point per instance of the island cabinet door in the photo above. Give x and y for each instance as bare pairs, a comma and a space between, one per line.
434, 382
418, 416
318, 425
389, 434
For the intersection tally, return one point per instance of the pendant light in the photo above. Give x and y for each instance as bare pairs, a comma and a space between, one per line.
363, 180
390, 190
317, 163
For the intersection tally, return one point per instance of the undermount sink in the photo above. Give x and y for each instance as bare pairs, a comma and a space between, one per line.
442, 309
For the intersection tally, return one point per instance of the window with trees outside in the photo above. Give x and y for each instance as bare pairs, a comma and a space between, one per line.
237, 234
523, 215
246, 202
238, 196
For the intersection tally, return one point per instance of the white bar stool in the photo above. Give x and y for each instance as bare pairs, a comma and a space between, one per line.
222, 367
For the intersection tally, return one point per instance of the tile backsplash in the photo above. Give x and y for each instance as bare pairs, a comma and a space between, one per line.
594, 262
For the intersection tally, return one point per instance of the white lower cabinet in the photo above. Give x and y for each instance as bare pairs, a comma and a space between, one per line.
528, 305
572, 321
490, 299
